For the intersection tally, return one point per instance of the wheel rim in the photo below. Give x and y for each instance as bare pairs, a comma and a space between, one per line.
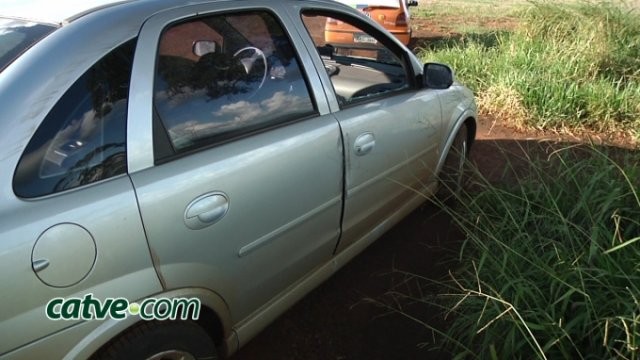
172, 355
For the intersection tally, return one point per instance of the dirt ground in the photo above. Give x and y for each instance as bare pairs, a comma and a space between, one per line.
425, 30
339, 320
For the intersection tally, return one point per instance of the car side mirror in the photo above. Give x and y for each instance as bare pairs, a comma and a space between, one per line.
437, 76
412, 2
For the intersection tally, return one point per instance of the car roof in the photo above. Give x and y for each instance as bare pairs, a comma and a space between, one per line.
64, 11
49, 11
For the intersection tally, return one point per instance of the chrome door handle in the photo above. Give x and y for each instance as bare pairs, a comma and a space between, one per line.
364, 144
206, 210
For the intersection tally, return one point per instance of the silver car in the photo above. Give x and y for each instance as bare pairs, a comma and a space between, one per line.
175, 174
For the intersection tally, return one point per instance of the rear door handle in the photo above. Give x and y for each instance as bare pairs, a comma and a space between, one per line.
364, 143
206, 210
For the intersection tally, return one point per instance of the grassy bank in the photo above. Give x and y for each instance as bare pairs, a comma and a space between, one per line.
565, 67
550, 266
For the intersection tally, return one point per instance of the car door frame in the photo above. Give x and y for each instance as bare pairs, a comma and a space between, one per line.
353, 244
140, 141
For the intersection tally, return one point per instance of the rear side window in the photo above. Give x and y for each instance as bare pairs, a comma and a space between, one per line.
223, 76
83, 139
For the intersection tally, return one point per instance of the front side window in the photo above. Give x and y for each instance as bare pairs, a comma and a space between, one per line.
222, 76
359, 63
82, 140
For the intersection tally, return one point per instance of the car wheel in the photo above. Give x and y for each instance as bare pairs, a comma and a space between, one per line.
158, 340
453, 174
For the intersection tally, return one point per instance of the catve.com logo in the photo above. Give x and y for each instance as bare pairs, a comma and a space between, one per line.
90, 308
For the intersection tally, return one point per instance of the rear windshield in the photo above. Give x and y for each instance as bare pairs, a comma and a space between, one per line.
16, 36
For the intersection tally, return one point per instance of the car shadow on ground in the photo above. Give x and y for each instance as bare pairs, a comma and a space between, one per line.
349, 316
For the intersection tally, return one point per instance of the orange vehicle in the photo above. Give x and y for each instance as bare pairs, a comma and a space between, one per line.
393, 15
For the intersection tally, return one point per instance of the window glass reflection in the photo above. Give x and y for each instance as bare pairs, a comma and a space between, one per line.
82, 139
222, 76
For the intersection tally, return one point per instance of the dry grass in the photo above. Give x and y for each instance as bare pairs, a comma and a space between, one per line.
569, 68
473, 10
503, 102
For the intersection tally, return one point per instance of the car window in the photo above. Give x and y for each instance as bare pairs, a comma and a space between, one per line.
16, 36
82, 139
222, 76
362, 64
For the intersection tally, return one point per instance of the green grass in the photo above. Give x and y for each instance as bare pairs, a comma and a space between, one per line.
550, 267
565, 67
550, 264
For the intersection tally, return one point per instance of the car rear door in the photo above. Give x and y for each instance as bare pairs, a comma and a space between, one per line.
239, 165
390, 124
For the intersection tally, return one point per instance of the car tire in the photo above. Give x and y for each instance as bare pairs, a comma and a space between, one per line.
161, 340
453, 174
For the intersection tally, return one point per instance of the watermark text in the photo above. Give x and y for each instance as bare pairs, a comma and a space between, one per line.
90, 308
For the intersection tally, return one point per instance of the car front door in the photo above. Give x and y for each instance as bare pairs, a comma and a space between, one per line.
390, 125
243, 191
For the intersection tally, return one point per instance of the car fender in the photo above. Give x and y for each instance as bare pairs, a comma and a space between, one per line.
111, 328
466, 110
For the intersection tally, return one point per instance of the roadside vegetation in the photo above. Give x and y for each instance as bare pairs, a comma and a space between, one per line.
549, 268
550, 264
571, 67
